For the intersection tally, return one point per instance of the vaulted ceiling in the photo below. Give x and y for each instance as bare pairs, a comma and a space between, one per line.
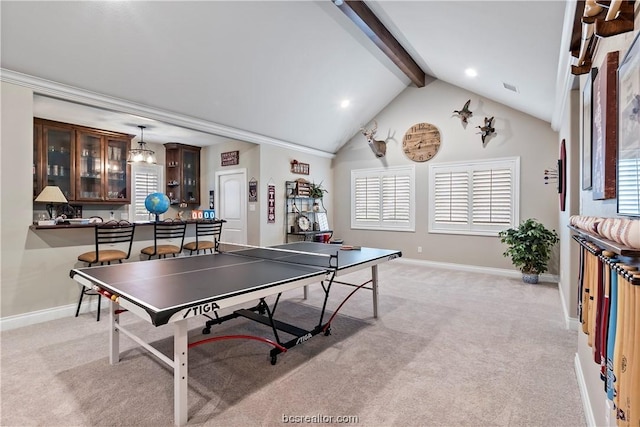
273, 71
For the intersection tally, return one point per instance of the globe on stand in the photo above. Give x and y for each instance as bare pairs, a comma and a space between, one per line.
157, 204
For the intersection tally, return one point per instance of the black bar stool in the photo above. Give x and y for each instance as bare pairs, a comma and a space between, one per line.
108, 234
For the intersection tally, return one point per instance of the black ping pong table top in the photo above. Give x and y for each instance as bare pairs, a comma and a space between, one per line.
172, 284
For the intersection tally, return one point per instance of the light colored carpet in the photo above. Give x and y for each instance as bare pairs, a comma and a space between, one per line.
448, 349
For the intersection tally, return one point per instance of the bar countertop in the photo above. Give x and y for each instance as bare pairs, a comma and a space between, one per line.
67, 224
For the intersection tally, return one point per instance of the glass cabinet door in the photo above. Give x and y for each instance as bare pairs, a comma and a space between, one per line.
37, 173
117, 169
190, 176
58, 143
173, 175
89, 158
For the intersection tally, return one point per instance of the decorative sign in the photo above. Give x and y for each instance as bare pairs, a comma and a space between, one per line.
253, 190
562, 176
271, 203
299, 167
229, 158
203, 214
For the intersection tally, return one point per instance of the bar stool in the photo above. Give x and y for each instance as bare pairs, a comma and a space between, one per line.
107, 235
164, 233
207, 236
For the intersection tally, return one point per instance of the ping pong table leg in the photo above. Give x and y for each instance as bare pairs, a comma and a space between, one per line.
180, 408
306, 292
114, 333
374, 288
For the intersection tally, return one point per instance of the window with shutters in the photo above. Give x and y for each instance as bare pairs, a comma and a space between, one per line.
383, 198
145, 179
629, 186
479, 197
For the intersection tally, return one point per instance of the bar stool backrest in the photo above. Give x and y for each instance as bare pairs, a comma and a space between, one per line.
166, 236
112, 232
208, 234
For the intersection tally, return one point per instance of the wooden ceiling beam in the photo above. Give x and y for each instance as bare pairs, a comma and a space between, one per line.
369, 23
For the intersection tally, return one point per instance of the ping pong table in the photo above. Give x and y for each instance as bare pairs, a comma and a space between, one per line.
173, 290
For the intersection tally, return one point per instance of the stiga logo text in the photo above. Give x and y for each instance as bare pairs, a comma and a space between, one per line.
304, 338
201, 309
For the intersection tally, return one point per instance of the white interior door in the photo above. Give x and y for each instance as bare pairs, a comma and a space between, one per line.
232, 205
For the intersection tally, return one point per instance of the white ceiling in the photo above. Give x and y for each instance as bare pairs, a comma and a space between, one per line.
277, 70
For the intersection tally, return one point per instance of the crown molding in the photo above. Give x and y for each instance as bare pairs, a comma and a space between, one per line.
69, 93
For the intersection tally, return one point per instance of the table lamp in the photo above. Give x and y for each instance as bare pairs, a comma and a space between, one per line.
50, 195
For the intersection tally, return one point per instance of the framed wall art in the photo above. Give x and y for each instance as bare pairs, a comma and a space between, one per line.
230, 158
587, 121
605, 116
629, 131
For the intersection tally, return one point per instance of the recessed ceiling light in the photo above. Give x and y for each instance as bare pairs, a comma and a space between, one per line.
345, 103
471, 72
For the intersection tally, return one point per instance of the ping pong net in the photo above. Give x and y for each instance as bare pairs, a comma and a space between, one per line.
314, 259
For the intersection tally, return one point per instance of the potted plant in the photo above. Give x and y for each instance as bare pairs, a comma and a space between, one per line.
529, 248
316, 190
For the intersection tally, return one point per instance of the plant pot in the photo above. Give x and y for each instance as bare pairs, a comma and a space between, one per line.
531, 278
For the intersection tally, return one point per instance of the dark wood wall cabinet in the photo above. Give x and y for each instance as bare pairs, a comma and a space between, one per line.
182, 173
89, 165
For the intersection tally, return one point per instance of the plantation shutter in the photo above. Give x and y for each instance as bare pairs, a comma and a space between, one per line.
367, 199
396, 198
383, 198
629, 186
492, 189
451, 198
479, 197
145, 179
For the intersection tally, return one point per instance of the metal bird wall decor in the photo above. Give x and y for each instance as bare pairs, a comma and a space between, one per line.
487, 130
465, 113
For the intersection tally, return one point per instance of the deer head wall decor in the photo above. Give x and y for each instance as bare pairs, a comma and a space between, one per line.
378, 147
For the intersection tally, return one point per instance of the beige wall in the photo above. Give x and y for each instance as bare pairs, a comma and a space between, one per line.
35, 264
569, 252
275, 167
249, 160
588, 370
518, 134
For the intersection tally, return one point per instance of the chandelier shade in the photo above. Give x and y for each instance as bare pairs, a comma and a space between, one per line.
141, 154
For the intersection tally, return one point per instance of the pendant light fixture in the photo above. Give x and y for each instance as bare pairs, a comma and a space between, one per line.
142, 153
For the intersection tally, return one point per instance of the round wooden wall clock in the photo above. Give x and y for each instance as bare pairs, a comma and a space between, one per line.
421, 142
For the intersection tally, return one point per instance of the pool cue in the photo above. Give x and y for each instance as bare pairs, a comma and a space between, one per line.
585, 292
593, 298
580, 283
634, 391
627, 348
604, 315
620, 335
611, 335
598, 302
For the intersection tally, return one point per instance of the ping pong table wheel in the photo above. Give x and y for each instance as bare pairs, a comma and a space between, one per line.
274, 360
327, 332
206, 331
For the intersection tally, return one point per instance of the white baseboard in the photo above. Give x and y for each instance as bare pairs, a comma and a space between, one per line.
584, 394
41, 316
571, 323
547, 278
